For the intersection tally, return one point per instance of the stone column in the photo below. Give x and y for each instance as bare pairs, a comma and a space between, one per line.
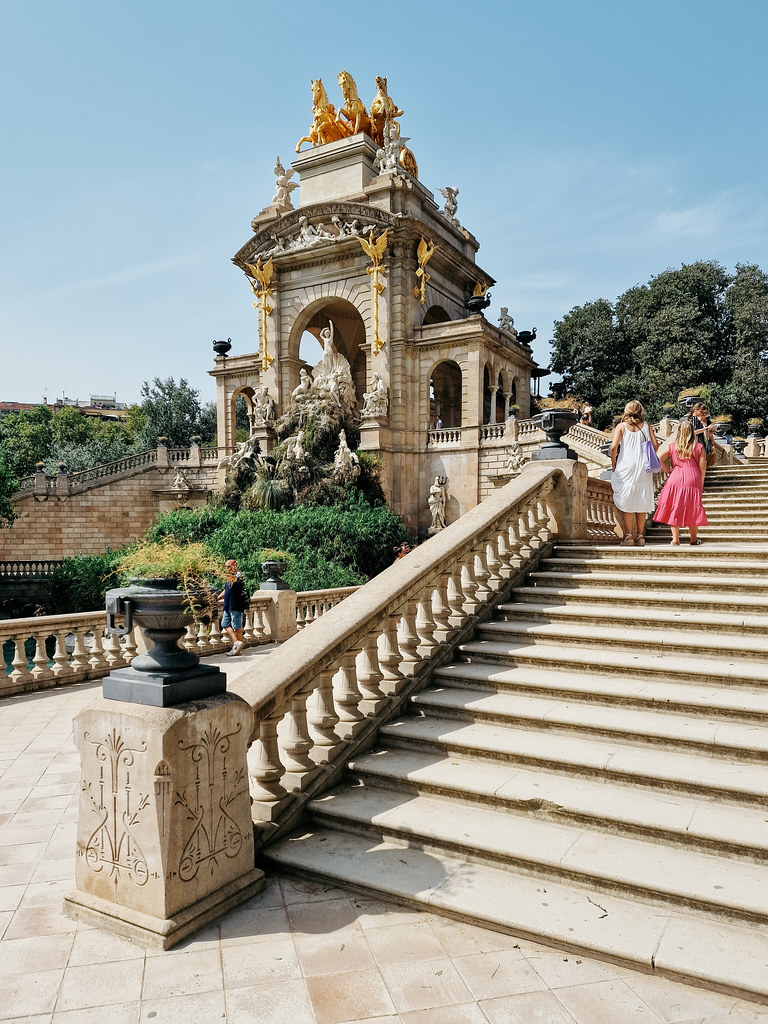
165, 837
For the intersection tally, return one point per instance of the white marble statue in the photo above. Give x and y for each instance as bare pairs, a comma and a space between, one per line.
283, 186
180, 482
333, 376
346, 465
436, 503
296, 451
245, 451
346, 228
301, 393
506, 322
375, 400
514, 458
451, 205
265, 408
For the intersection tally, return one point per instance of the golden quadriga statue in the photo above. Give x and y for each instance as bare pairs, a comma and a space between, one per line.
381, 125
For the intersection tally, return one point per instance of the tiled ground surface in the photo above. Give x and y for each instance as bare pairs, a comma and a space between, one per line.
296, 954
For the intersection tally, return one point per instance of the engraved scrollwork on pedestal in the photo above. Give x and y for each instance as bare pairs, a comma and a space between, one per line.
215, 832
112, 844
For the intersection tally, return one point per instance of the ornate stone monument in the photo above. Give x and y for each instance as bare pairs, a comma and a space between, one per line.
369, 251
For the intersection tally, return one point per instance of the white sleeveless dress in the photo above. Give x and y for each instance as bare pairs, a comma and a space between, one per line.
632, 486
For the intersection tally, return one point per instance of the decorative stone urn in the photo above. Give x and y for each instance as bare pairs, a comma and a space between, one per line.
167, 674
477, 303
555, 423
273, 570
739, 446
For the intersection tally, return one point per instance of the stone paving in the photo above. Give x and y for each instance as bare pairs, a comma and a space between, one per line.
298, 953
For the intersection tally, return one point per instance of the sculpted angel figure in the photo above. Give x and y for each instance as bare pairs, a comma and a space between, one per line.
346, 228
375, 400
283, 185
451, 205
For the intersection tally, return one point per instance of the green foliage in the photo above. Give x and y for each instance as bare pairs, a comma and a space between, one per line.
80, 583
169, 410
25, 439
334, 545
8, 485
697, 325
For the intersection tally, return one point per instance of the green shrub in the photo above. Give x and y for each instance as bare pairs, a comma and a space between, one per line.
80, 583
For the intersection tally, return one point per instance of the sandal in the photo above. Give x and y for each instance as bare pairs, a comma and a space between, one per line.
640, 542
695, 543
628, 541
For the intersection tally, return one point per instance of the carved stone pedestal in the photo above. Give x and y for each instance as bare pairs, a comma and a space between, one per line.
165, 837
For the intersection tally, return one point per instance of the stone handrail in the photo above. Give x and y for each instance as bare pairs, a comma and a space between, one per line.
590, 437
327, 689
33, 568
209, 455
312, 604
490, 431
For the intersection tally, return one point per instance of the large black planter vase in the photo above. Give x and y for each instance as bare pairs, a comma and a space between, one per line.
555, 423
167, 674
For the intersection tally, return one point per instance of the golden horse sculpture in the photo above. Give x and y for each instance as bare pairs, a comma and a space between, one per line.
353, 112
325, 125
383, 109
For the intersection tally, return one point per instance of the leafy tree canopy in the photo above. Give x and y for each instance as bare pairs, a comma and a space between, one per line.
168, 410
688, 327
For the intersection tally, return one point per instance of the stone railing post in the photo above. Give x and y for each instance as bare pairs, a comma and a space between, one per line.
568, 501
163, 461
157, 856
280, 614
195, 454
62, 482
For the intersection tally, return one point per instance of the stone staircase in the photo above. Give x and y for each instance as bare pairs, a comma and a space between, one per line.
591, 770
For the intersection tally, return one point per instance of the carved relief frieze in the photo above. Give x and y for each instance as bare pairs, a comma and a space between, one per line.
112, 844
214, 833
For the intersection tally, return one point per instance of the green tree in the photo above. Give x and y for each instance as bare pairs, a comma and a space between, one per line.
8, 485
25, 439
169, 410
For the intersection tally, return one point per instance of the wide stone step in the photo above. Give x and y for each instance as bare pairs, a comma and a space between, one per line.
742, 703
729, 586
609, 807
691, 617
683, 945
603, 759
648, 635
648, 665
660, 564
654, 728
657, 603
721, 555
672, 875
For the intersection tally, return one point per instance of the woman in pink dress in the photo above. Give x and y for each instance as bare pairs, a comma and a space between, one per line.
680, 499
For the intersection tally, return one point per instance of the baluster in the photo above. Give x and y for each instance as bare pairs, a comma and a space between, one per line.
524, 535
389, 656
441, 612
346, 694
469, 586
482, 577
216, 639
78, 662
248, 632
112, 652
494, 564
60, 656
542, 514
506, 555
130, 646
455, 597
97, 661
426, 626
40, 659
20, 672
265, 768
369, 674
189, 642
263, 627
323, 719
296, 742
407, 640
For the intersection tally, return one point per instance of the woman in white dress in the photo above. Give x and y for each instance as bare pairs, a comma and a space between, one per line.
632, 485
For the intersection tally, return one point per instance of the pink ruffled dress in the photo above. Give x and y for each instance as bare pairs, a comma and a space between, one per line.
679, 503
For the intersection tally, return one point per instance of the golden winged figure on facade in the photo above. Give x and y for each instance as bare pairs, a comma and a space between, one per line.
424, 253
374, 250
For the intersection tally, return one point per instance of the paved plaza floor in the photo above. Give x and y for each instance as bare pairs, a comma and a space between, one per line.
299, 953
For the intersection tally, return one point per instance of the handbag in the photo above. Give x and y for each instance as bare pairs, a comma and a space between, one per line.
651, 461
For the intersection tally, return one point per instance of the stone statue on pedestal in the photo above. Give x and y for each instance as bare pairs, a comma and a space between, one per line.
436, 503
346, 465
283, 186
375, 400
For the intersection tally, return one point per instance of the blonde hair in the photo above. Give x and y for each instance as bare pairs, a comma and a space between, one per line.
634, 413
685, 440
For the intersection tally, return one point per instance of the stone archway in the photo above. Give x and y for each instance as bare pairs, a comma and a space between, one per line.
445, 395
349, 337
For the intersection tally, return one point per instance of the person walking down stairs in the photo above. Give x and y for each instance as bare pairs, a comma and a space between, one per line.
679, 502
632, 484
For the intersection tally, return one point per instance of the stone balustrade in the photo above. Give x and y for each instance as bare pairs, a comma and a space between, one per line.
600, 512
27, 568
312, 604
53, 650
443, 436
492, 431
326, 690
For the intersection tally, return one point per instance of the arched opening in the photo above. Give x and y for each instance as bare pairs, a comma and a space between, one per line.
435, 315
348, 339
513, 395
486, 395
445, 395
500, 402
241, 414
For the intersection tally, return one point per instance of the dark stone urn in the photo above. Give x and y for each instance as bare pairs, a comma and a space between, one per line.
555, 423
273, 570
167, 674
477, 303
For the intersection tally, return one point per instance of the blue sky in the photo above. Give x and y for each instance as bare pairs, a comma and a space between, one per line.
594, 144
